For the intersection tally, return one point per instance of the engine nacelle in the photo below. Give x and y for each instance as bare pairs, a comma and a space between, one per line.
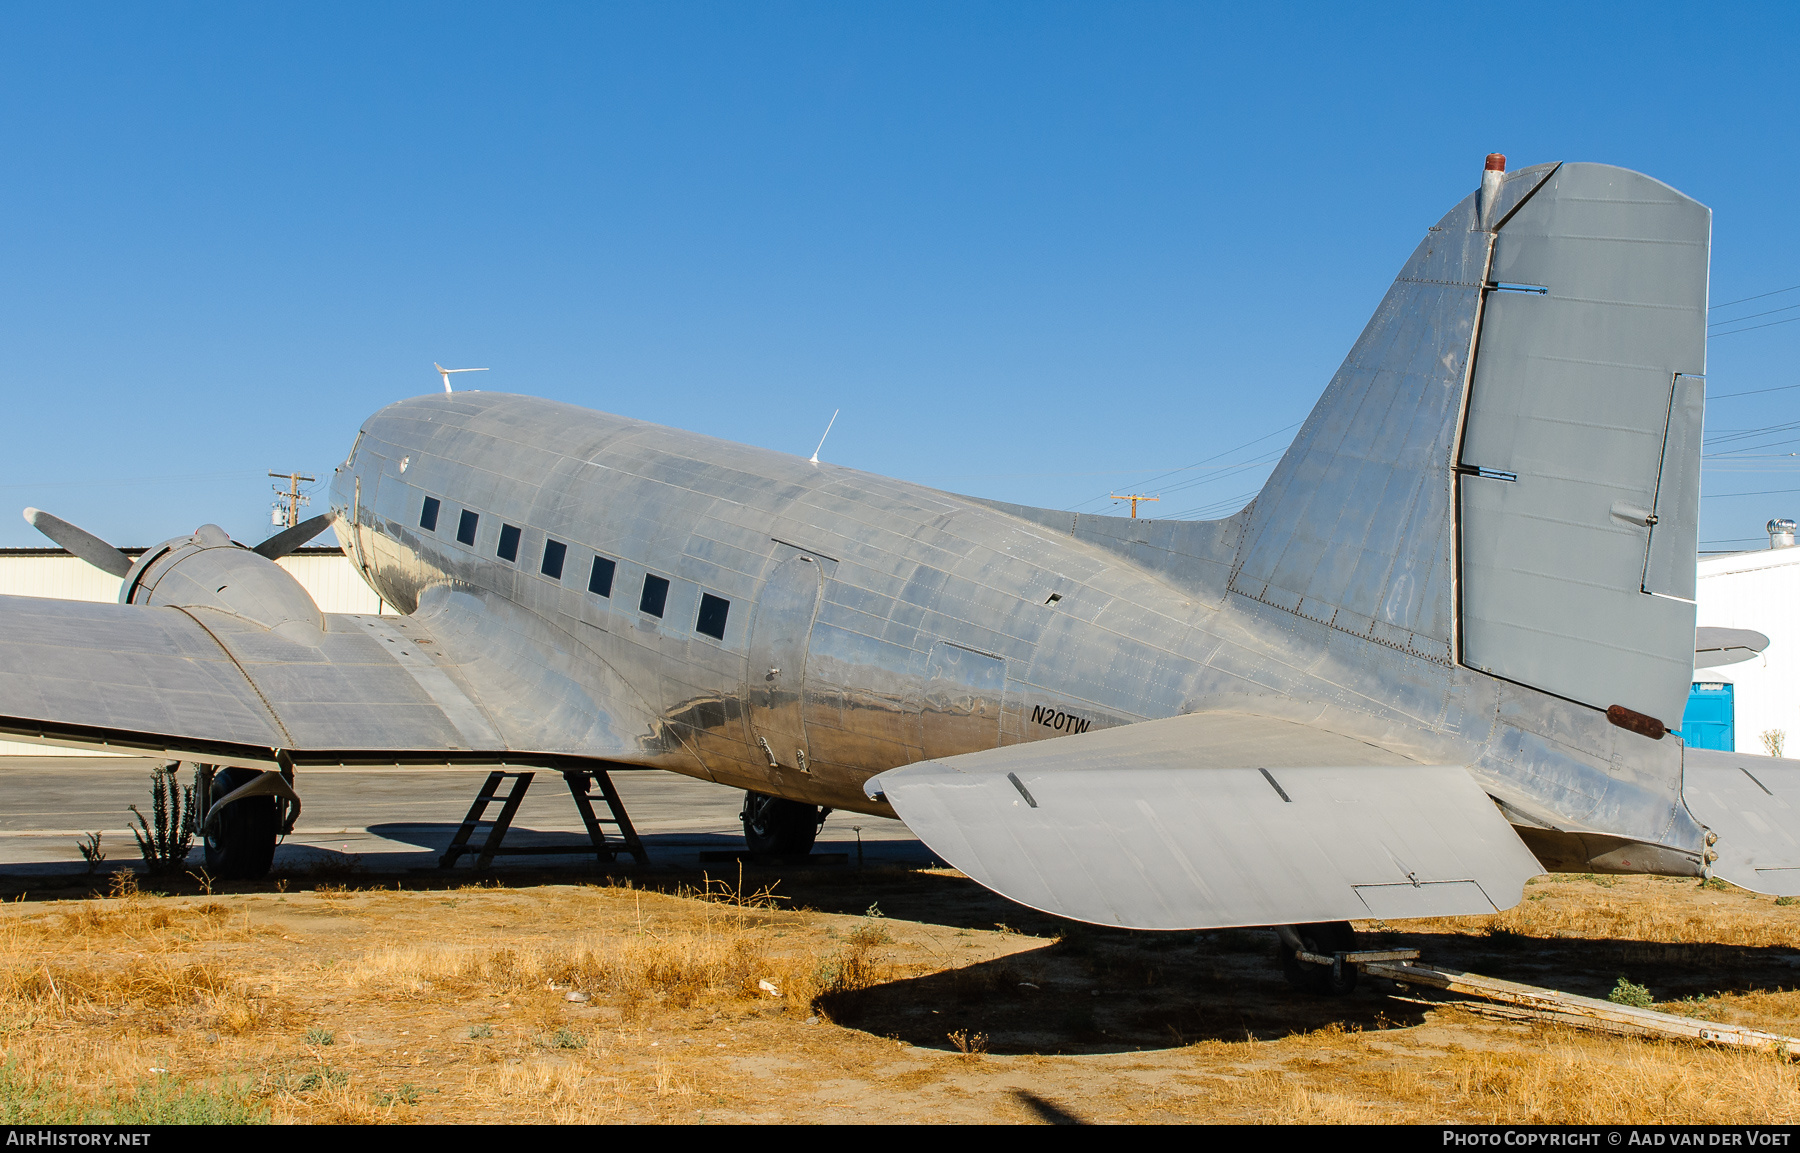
207, 570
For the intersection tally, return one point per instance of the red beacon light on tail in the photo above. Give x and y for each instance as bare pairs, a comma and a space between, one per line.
1491, 177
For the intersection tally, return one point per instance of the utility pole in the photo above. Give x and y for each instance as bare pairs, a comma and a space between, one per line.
292, 497
1133, 498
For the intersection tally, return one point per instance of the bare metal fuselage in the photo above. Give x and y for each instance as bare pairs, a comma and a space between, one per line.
873, 623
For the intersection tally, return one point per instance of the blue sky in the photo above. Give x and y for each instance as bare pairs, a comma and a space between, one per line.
1035, 251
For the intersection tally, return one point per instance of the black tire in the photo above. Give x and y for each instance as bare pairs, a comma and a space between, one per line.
240, 841
1324, 938
780, 827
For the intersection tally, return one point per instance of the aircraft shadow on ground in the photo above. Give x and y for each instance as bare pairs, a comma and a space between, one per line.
436, 836
1592, 966
1103, 990
1089, 994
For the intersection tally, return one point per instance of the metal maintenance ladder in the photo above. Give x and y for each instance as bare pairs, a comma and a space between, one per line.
582, 783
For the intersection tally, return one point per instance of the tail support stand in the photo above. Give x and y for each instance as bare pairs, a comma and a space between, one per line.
582, 783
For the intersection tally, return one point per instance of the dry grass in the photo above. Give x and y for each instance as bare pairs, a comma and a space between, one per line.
1607, 908
368, 1006
1577, 1080
710, 955
128, 961
676, 969
1549, 1076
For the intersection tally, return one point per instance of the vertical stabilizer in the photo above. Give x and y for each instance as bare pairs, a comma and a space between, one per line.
1354, 529
1505, 472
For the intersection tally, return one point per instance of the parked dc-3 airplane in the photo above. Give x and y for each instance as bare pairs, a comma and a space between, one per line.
1441, 651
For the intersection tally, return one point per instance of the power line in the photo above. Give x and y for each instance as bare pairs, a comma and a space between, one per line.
1134, 498
1189, 468
1223, 505
293, 497
1753, 328
1753, 316
171, 479
1748, 299
1725, 436
1753, 392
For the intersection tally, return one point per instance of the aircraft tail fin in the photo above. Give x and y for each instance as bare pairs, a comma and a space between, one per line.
1505, 470
1354, 528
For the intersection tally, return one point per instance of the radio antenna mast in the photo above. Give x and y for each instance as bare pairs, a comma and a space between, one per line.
828, 424
445, 372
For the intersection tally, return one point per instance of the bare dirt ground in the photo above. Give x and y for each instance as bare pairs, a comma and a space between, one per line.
885, 995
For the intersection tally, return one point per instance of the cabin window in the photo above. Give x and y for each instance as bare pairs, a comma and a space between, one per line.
600, 579
465, 528
554, 552
509, 542
428, 518
656, 595
712, 616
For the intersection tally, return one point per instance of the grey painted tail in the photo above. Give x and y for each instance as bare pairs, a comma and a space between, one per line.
1519, 423
1518, 426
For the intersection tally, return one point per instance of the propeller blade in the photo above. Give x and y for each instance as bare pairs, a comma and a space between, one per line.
289, 539
83, 544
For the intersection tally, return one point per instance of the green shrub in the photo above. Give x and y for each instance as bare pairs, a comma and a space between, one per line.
165, 841
1626, 993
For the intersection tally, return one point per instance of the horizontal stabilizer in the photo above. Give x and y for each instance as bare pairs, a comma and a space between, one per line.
1206, 821
1753, 804
1714, 647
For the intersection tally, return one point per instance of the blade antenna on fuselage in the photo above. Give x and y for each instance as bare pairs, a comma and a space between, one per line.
445, 372
828, 424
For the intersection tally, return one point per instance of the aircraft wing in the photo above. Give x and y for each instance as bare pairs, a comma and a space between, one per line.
1215, 819
1753, 804
458, 681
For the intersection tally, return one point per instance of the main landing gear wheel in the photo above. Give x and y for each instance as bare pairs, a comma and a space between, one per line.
240, 840
1324, 939
781, 827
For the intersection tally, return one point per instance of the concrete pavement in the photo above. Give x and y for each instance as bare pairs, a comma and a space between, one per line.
391, 820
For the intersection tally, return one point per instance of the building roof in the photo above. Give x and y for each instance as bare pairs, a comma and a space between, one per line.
134, 552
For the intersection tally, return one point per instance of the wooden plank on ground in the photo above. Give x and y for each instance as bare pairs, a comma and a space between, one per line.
1571, 1009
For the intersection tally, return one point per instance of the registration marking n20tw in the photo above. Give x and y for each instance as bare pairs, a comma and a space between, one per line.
1060, 721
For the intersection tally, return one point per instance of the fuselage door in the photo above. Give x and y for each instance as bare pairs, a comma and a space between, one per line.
779, 633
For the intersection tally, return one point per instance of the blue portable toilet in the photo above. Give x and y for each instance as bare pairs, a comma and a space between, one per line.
1709, 722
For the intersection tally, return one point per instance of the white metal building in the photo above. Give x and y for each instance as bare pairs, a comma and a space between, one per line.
326, 573
1761, 591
